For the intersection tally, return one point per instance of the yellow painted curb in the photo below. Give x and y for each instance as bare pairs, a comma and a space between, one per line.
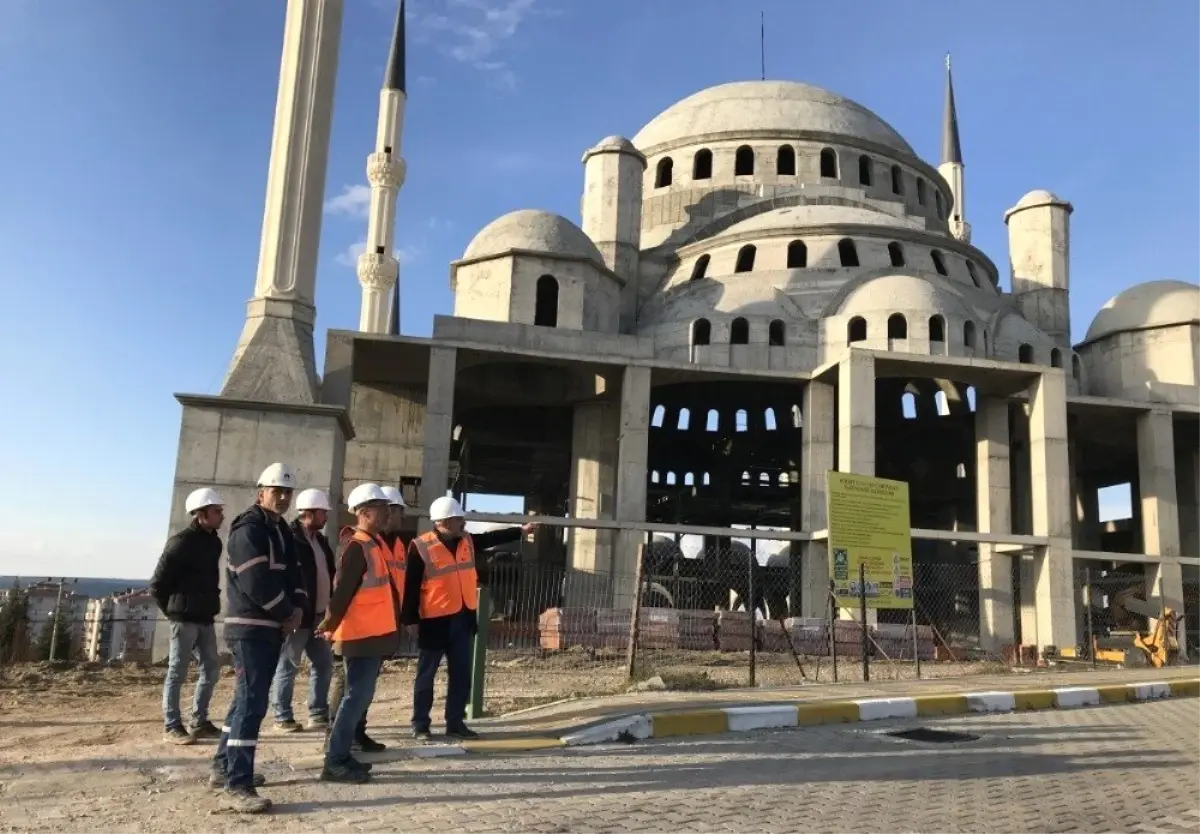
832, 712
698, 722
1120, 694
941, 704
512, 745
1184, 689
1034, 699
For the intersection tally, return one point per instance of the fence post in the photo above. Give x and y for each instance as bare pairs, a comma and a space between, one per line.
479, 653
832, 630
916, 643
1087, 597
862, 613
752, 609
54, 625
635, 614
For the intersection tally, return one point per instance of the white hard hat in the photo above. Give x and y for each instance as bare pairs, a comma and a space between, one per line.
312, 499
393, 496
365, 494
201, 498
277, 475
444, 508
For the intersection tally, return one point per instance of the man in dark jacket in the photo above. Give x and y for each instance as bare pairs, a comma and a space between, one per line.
448, 635
315, 559
187, 588
264, 603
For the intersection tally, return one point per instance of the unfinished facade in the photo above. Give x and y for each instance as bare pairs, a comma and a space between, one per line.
766, 283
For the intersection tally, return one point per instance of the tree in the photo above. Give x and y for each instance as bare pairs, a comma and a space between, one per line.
62, 644
14, 625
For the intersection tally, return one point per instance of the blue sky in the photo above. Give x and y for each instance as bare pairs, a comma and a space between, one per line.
136, 135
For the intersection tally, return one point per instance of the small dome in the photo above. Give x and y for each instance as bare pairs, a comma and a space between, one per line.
1035, 198
534, 230
1143, 306
613, 144
892, 293
746, 107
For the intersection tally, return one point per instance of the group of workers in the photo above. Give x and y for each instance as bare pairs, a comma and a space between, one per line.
287, 596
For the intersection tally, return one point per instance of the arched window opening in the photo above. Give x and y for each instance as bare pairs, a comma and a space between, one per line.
847, 252
739, 332
908, 405
856, 331
797, 255
920, 191
969, 334
662, 173
706, 480
741, 420
939, 263
670, 479
797, 417
961, 471
829, 163
713, 421
896, 253
785, 161
654, 476
545, 312
746, 478
1055, 358
700, 268
701, 332
743, 162
1076, 367
660, 413
937, 329
897, 326
897, 180
941, 207
685, 417
702, 165
864, 170
942, 403
764, 479
974, 275
1025, 354
784, 480
769, 419
985, 347
776, 333
745, 258
971, 397
689, 479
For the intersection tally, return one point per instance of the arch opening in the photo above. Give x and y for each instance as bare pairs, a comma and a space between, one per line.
545, 311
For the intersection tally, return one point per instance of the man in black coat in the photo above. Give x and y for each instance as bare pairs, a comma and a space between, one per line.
187, 588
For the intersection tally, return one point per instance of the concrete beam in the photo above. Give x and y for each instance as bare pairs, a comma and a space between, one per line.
856, 413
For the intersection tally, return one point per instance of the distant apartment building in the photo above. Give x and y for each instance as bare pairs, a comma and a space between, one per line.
121, 627
43, 597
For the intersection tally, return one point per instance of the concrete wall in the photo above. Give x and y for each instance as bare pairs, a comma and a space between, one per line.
1159, 365
389, 425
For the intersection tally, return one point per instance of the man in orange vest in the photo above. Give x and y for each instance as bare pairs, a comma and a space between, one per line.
363, 620
440, 598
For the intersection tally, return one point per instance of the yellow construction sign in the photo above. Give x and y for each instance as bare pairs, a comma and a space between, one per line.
869, 525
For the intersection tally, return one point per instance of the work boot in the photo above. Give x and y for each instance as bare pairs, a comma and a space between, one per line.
363, 743
244, 801
217, 778
344, 772
205, 731
365, 767
318, 722
422, 734
178, 735
287, 725
462, 731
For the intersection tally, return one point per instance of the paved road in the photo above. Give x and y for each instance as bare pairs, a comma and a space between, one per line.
1132, 768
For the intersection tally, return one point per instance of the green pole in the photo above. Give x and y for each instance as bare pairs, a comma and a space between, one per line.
479, 653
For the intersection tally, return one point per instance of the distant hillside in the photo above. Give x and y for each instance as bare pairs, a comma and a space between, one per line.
86, 587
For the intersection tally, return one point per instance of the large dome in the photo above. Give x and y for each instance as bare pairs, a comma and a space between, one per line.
1143, 306
533, 230
745, 107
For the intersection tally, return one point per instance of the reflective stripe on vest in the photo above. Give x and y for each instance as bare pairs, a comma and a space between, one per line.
372, 613
449, 583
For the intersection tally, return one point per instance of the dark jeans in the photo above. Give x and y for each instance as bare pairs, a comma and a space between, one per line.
254, 663
361, 675
338, 691
457, 652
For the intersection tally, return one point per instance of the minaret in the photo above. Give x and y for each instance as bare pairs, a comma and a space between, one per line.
951, 167
378, 269
274, 359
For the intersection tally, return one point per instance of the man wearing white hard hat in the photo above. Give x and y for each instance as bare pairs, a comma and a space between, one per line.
187, 588
363, 620
264, 603
440, 599
315, 558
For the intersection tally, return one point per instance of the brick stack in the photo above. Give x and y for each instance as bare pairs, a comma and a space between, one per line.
810, 635
658, 628
697, 630
847, 634
612, 628
561, 628
733, 631
771, 636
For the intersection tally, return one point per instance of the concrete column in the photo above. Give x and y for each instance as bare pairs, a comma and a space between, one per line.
856, 414
632, 443
439, 424
593, 484
817, 458
1160, 514
994, 513
1050, 479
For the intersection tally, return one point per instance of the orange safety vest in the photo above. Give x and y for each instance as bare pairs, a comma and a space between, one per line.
372, 613
450, 582
396, 564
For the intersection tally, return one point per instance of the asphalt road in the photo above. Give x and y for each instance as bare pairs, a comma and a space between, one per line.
1130, 768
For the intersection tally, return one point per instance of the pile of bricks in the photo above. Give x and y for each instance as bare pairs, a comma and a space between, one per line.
612, 628
658, 628
734, 631
772, 637
562, 628
698, 630
810, 635
895, 640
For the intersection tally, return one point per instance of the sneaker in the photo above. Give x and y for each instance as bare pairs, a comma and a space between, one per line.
462, 731
178, 735
205, 731
345, 772
244, 801
422, 734
287, 725
319, 722
216, 780
365, 744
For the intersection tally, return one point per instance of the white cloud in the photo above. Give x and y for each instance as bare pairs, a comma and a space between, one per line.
474, 32
349, 256
353, 201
